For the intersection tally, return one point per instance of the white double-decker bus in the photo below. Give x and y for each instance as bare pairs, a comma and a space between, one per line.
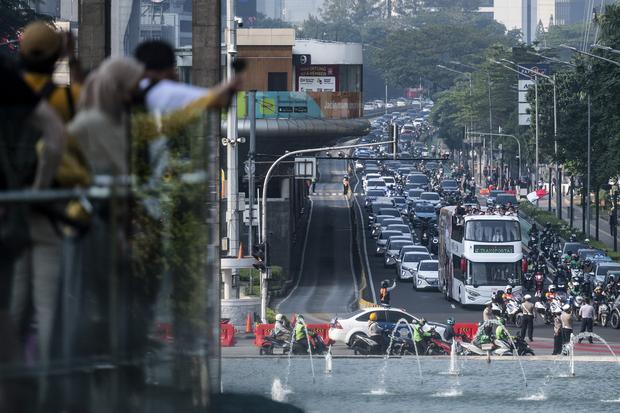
478, 255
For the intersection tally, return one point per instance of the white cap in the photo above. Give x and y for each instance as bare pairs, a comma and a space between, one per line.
566, 307
527, 297
278, 317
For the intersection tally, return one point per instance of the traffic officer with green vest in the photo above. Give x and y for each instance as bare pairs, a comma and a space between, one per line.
420, 336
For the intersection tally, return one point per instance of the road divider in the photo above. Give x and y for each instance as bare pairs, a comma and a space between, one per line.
227, 335
467, 329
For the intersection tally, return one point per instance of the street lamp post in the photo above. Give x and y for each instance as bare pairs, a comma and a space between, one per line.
552, 80
587, 200
536, 112
503, 135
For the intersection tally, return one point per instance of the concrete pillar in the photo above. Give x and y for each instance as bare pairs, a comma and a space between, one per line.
93, 35
206, 71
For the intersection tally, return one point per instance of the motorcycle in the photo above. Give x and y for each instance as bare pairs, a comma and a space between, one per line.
436, 346
270, 343
533, 242
316, 342
520, 345
528, 281
539, 282
514, 314
603, 314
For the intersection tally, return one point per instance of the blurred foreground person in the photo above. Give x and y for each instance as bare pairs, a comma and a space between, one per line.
24, 120
37, 276
100, 127
160, 90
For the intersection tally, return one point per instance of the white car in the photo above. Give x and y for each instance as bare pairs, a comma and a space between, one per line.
427, 275
369, 106
409, 264
432, 198
343, 329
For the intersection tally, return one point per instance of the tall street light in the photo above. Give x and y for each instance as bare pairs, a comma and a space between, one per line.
506, 136
471, 121
555, 132
536, 110
589, 129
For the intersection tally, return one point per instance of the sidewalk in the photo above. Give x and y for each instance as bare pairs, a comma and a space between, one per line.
604, 234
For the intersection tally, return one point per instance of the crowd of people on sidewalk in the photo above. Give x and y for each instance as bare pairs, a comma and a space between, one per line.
56, 136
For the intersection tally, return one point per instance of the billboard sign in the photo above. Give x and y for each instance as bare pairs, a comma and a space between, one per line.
317, 84
526, 80
316, 78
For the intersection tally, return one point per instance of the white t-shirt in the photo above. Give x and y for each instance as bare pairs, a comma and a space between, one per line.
167, 96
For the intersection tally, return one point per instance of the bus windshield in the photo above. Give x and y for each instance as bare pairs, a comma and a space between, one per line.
492, 231
494, 273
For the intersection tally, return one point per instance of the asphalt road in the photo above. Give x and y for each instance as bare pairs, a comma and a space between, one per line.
326, 284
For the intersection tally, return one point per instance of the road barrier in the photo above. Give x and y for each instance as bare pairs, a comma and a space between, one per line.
263, 330
468, 329
227, 335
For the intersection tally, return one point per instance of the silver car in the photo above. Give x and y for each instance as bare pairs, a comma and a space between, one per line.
383, 238
409, 264
392, 250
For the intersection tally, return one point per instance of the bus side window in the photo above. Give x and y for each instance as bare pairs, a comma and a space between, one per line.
456, 267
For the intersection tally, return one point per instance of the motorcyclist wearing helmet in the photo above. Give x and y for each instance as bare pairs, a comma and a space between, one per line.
501, 332
573, 238
384, 292
574, 261
449, 333
375, 331
282, 328
533, 231
345, 185
587, 266
507, 294
574, 288
611, 289
420, 336
550, 294
301, 337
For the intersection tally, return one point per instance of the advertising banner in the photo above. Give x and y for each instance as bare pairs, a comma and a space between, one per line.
316, 78
526, 80
316, 84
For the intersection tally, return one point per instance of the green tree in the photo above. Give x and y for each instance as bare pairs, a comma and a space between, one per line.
14, 15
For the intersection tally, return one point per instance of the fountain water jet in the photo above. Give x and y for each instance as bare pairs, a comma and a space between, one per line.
389, 350
454, 366
515, 353
575, 338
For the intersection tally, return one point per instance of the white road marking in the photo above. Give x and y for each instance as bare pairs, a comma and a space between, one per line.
372, 283
303, 257
355, 285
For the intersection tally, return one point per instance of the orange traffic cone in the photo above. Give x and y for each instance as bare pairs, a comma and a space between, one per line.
240, 253
248, 323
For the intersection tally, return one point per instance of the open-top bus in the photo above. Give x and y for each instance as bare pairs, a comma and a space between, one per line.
478, 255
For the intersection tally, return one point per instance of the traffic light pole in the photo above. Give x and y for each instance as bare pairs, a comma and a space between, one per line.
266, 272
